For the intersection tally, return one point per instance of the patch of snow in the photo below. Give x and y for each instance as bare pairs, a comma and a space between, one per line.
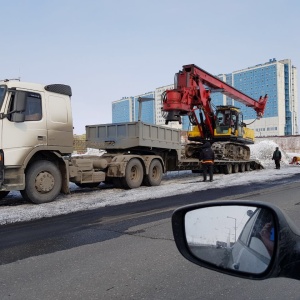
92, 152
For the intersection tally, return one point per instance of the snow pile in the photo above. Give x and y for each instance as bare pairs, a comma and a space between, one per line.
263, 152
91, 152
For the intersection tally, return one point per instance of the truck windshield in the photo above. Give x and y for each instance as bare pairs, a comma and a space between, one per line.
2, 94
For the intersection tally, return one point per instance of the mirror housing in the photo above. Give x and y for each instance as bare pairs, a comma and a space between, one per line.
285, 261
20, 101
17, 117
18, 107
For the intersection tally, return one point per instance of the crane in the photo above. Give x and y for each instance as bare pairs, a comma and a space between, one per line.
223, 126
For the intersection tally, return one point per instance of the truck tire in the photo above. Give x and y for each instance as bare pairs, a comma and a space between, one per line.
242, 168
3, 194
248, 167
235, 168
155, 174
228, 169
134, 174
43, 182
88, 184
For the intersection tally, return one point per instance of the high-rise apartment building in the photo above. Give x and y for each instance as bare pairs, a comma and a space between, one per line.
148, 108
278, 79
127, 109
123, 110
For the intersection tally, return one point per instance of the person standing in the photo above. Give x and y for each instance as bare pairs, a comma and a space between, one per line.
207, 157
277, 157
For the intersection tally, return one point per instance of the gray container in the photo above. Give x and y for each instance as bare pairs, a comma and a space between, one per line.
132, 135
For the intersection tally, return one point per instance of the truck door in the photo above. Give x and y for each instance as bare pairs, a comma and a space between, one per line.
20, 137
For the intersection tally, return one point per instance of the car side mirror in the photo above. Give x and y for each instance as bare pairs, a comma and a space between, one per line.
247, 239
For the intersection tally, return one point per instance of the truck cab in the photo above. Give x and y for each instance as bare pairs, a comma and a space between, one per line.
35, 122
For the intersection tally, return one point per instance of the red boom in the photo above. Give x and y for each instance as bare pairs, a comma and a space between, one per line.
191, 93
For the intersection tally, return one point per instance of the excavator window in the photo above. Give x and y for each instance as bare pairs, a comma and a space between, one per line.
222, 122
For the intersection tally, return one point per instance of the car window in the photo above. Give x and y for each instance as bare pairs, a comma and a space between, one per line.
245, 234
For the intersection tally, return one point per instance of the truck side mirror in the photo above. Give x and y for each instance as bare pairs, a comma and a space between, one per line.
20, 101
17, 117
18, 107
248, 239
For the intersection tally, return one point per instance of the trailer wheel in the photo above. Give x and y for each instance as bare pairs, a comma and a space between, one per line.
88, 184
3, 194
235, 168
242, 168
228, 169
43, 182
248, 167
133, 174
155, 174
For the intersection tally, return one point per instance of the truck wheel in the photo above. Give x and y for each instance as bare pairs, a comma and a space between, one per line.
88, 184
235, 168
3, 194
248, 167
43, 182
242, 168
133, 174
155, 174
228, 169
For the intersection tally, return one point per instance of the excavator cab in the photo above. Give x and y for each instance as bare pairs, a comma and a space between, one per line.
228, 126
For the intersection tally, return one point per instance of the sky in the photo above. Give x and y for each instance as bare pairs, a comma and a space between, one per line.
109, 49
13, 210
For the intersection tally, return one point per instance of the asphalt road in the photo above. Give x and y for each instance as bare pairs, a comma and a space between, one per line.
128, 252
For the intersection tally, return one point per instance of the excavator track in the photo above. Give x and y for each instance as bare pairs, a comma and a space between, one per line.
231, 151
230, 157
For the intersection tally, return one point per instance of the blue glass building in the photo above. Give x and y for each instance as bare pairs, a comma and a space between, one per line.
148, 108
122, 110
127, 109
278, 80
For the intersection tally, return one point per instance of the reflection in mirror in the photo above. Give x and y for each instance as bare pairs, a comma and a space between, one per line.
232, 237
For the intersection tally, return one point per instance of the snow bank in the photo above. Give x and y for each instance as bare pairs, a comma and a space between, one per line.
263, 152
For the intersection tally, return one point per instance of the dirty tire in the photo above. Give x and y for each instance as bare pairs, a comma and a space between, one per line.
235, 168
3, 194
134, 174
155, 174
248, 167
242, 168
43, 182
88, 184
228, 169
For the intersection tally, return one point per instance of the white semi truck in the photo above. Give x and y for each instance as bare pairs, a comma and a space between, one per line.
36, 145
